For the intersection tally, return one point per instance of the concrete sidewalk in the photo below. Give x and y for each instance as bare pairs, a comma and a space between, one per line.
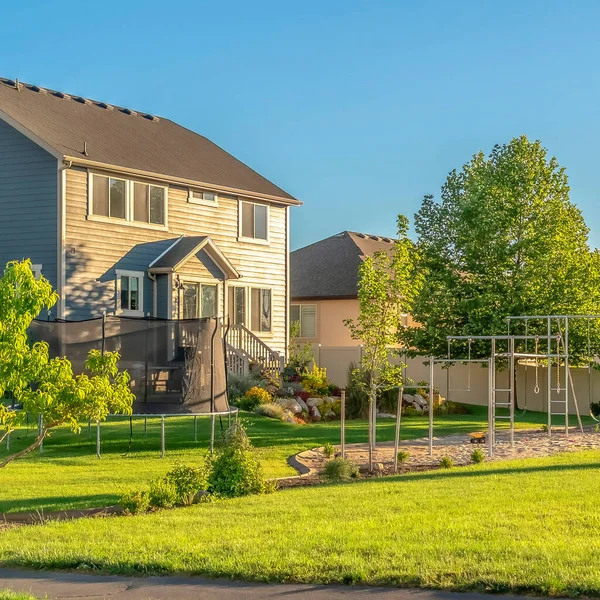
104, 587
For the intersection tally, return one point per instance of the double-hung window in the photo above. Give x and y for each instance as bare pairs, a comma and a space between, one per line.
306, 316
237, 305
260, 302
254, 221
130, 293
133, 201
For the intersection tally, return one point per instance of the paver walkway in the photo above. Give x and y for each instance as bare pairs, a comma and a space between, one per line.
60, 586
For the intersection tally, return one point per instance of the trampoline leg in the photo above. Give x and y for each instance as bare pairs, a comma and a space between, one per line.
98, 453
145, 426
212, 432
229, 421
162, 436
195, 428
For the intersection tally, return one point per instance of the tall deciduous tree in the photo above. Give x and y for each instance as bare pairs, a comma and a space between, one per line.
47, 387
386, 288
504, 239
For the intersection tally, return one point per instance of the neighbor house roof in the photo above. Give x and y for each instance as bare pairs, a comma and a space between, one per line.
329, 268
90, 132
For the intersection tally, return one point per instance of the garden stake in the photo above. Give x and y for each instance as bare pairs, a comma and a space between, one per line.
398, 420
98, 454
343, 422
162, 436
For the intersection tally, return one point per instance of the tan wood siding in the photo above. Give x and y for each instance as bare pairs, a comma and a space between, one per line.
94, 249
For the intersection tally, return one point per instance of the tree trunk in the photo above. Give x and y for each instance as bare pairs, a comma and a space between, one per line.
5, 435
27, 450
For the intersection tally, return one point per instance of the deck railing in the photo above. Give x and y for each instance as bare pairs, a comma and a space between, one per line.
251, 348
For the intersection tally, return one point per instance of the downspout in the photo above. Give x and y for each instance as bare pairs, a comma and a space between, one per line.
152, 277
61, 236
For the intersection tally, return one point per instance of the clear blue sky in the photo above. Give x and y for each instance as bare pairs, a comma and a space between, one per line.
358, 108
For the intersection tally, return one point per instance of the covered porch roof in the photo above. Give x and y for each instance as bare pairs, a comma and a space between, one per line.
184, 248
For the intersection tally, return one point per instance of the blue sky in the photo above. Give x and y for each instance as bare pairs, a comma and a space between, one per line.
357, 107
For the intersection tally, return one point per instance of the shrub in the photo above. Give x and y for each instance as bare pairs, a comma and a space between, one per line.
403, 456
162, 493
477, 456
328, 450
239, 385
357, 400
315, 382
595, 408
271, 410
410, 411
135, 502
188, 481
446, 462
340, 469
234, 470
253, 397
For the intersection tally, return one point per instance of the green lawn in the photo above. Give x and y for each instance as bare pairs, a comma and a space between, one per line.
69, 475
10, 595
522, 526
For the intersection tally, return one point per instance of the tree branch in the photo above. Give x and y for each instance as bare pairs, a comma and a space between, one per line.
30, 448
6, 434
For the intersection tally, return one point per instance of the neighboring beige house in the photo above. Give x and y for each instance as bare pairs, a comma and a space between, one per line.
132, 214
324, 284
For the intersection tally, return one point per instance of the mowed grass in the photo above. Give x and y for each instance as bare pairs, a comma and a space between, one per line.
69, 476
10, 595
521, 526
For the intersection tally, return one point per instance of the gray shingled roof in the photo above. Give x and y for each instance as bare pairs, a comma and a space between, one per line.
178, 251
121, 137
329, 268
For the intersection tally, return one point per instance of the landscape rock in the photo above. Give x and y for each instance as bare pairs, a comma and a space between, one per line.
385, 416
290, 404
302, 404
314, 412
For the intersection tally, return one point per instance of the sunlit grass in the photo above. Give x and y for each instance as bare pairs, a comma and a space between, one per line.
529, 526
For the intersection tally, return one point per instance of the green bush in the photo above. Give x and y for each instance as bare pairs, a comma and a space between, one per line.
403, 456
357, 400
162, 493
135, 502
477, 456
340, 469
446, 462
328, 450
253, 397
234, 470
239, 385
188, 481
411, 411
271, 410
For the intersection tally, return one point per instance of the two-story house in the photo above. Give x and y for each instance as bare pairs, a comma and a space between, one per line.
132, 214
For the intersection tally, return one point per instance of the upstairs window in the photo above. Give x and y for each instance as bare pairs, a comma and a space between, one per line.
117, 198
202, 197
260, 318
306, 316
254, 221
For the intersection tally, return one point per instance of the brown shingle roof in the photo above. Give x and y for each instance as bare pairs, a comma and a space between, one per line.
329, 268
123, 138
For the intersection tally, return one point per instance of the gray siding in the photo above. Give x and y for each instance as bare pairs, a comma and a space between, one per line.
28, 202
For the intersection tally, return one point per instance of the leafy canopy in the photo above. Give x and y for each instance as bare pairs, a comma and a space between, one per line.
45, 386
504, 239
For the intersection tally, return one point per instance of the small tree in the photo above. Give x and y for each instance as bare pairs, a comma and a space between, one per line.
387, 285
46, 387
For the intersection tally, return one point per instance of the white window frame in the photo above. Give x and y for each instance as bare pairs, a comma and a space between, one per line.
302, 336
253, 240
125, 311
128, 220
202, 281
246, 303
249, 317
36, 269
202, 201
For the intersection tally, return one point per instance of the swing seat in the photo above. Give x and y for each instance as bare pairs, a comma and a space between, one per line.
478, 437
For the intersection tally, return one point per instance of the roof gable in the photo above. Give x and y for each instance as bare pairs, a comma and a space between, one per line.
115, 136
329, 268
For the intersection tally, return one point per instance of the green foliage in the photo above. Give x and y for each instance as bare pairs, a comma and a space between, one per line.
253, 397
48, 387
299, 354
357, 399
340, 469
594, 409
446, 462
188, 481
403, 456
271, 410
328, 450
162, 493
477, 456
504, 239
135, 502
315, 382
238, 384
234, 470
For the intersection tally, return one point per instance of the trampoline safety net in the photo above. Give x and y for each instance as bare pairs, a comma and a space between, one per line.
175, 366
